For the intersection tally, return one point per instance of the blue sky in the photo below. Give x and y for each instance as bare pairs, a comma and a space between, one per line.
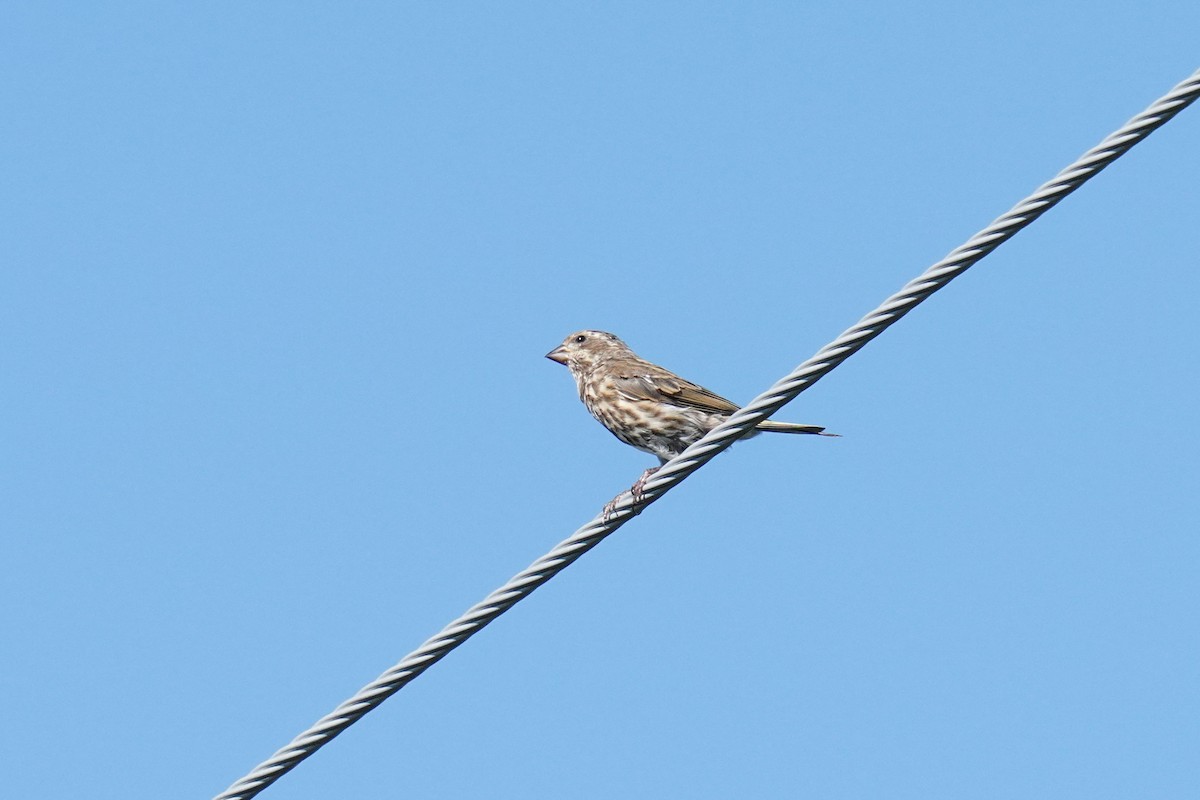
278, 282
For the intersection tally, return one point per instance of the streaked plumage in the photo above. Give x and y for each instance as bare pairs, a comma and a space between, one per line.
643, 404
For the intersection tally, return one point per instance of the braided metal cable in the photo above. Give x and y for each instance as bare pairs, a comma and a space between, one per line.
740, 423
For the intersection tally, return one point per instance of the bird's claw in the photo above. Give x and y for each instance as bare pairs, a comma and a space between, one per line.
610, 509
638, 490
637, 494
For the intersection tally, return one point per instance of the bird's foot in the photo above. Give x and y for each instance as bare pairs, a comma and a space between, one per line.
610, 509
637, 493
638, 490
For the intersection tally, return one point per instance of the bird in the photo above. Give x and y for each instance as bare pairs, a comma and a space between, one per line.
645, 405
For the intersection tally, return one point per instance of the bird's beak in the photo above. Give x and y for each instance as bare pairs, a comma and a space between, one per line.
558, 354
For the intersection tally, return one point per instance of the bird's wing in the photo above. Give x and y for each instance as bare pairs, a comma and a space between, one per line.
662, 386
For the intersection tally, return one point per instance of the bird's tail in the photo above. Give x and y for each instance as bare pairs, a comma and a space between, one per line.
791, 427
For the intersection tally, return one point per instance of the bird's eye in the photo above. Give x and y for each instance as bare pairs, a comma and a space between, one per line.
580, 339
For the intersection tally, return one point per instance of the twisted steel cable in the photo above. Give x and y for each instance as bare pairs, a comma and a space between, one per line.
740, 423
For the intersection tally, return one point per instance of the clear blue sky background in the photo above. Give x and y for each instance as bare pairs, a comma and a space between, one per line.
277, 283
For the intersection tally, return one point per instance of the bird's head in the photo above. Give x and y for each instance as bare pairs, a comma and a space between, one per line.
585, 349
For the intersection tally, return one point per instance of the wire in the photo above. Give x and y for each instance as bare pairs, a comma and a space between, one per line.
717, 440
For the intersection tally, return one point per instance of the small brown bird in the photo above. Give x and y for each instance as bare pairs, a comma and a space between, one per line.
643, 404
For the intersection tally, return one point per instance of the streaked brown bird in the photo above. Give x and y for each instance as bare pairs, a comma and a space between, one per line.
643, 404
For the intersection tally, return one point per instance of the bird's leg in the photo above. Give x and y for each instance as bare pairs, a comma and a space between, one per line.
636, 493
639, 486
610, 509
